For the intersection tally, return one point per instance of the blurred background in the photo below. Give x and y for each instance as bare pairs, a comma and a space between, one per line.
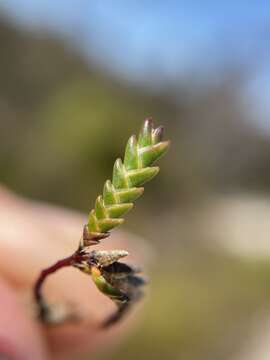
78, 77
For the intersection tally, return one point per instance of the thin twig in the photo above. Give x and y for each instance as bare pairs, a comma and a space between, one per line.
68, 261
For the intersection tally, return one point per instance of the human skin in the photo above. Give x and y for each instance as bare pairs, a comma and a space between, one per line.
32, 237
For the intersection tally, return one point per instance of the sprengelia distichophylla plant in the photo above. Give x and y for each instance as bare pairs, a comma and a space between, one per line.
115, 279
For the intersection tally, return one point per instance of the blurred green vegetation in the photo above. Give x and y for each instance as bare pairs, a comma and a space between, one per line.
63, 122
200, 305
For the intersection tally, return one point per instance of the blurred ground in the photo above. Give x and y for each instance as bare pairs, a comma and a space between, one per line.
64, 121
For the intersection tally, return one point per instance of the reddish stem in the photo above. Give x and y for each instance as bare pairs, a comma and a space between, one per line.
68, 261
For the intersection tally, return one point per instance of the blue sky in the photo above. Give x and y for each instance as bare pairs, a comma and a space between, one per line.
166, 38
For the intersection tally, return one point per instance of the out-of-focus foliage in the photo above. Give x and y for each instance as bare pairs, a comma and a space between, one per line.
59, 110
63, 122
199, 309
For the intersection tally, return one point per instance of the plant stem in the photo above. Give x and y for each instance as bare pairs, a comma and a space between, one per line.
68, 261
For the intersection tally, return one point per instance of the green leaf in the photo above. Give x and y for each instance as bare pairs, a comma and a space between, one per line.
108, 224
131, 160
109, 195
115, 211
150, 154
100, 208
141, 176
129, 195
120, 181
93, 223
145, 136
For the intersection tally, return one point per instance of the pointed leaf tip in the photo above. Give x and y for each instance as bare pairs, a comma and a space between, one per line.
131, 154
100, 208
158, 134
119, 177
141, 176
108, 224
108, 193
130, 195
115, 211
145, 136
150, 154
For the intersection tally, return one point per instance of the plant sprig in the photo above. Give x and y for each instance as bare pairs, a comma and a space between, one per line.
127, 180
117, 280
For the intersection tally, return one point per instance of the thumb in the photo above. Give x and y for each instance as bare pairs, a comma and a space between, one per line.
19, 336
